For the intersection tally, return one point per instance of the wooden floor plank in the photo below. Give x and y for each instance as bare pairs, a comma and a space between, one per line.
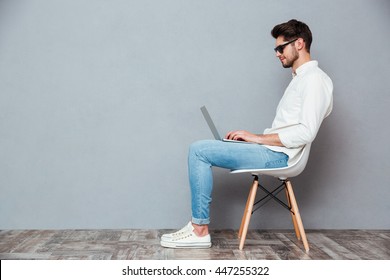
333, 248
133, 244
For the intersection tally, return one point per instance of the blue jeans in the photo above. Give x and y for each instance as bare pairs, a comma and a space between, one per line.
207, 153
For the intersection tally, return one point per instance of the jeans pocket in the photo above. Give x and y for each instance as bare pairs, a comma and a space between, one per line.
276, 163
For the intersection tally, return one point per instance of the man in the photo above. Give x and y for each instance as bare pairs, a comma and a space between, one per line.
305, 103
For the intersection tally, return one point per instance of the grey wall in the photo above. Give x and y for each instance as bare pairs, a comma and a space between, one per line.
99, 101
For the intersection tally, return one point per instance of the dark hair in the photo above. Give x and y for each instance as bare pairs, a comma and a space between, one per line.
293, 29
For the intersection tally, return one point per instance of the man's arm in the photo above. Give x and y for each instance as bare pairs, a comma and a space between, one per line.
264, 139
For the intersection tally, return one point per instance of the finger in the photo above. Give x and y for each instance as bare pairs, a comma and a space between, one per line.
230, 134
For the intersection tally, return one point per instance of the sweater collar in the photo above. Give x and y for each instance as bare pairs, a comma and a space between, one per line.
305, 67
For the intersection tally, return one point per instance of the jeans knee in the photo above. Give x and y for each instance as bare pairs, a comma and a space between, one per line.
198, 146
199, 150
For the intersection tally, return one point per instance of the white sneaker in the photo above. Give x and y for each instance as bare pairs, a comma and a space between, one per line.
187, 240
184, 230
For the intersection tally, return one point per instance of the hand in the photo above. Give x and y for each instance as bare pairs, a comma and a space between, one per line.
242, 135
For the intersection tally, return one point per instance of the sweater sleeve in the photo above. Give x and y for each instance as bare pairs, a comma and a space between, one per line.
317, 103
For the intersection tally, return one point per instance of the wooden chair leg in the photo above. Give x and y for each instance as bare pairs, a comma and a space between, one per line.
294, 207
248, 212
294, 220
245, 211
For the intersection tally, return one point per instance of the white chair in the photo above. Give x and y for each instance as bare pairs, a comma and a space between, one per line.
283, 174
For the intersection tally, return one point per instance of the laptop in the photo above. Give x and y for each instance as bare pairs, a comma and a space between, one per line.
213, 129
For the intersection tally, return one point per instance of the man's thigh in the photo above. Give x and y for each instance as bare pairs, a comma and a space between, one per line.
236, 155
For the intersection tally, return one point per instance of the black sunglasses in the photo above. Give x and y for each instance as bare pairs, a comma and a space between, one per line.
281, 47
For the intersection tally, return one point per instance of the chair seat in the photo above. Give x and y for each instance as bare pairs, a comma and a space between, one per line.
280, 173
283, 172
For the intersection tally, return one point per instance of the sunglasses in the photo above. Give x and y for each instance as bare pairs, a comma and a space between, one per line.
281, 47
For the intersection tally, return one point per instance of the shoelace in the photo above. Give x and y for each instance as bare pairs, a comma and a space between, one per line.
183, 237
179, 233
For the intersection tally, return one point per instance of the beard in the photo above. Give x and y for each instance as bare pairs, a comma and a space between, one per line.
290, 61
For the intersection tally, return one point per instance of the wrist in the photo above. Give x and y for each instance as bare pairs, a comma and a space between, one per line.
260, 139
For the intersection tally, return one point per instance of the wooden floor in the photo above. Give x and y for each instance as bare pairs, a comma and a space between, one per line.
144, 244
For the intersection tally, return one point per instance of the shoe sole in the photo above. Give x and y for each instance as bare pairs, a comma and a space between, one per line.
193, 245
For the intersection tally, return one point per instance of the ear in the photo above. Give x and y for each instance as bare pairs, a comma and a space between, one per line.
300, 44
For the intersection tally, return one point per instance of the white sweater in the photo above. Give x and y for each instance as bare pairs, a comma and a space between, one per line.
307, 101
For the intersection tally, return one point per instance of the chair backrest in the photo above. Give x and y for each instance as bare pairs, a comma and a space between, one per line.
283, 173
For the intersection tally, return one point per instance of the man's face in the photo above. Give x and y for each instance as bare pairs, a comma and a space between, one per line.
287, 53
